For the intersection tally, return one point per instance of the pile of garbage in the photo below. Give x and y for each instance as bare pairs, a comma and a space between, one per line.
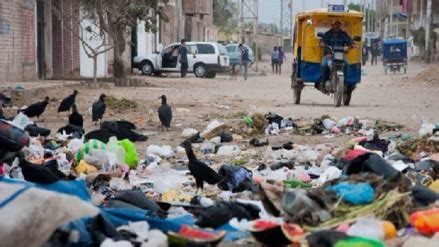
86, 191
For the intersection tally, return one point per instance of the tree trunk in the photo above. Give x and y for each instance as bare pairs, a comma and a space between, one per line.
118, 50
95, 69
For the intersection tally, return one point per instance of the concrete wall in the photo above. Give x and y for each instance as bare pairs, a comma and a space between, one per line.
265, 41
17, 40
86, 63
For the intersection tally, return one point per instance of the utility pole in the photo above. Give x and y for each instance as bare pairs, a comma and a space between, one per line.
369, 18
391, 19
421, 14
286, 18
249, 14
428, 32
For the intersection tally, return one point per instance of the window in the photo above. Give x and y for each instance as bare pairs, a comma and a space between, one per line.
231, 48
205, 49
191, 49
222, 49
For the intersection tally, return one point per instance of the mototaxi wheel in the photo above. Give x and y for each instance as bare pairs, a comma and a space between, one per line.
339, 90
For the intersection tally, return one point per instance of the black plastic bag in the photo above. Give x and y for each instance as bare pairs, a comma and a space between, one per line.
218, 215
424, 196
138, 199
371, 162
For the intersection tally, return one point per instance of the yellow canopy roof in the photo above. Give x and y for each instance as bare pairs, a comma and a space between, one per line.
325, 12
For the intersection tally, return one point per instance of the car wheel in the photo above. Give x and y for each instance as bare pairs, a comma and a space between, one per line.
147, 68
200, 70
211, 75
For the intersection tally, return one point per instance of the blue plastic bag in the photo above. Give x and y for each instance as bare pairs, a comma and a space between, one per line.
356, 194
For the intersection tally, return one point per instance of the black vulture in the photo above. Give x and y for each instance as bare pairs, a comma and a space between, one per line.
165, 113
68, 102
98, 108
124, 124
75, 118
36, 109
201, 172
121, 129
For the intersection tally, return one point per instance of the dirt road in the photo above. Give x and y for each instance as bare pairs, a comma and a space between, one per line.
396, 98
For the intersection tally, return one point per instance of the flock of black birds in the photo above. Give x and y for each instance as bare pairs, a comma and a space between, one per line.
121, 129
98, 110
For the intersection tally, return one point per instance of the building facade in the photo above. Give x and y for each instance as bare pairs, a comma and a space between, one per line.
35, 44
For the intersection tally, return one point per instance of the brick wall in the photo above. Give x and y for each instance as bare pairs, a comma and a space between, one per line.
17, 40
65, 46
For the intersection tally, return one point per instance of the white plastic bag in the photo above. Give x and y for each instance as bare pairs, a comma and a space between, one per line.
229, 151
164, 151
21, 121
117, 151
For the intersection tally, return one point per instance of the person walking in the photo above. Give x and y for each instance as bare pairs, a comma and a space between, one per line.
365, 54
182, 51
275, 60
281, 59
374, 52
245, 59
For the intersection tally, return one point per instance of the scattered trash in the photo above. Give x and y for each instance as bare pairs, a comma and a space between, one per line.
356, 194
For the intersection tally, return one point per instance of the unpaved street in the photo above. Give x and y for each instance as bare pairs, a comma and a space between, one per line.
405, 99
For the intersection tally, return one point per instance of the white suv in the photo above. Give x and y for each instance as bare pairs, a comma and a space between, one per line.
205, 59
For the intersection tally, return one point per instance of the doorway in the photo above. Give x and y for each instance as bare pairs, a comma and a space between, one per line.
41, 66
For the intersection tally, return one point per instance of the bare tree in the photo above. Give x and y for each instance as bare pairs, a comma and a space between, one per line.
75, 22
116, 17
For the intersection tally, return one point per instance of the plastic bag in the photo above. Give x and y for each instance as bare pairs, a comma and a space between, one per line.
85, 168
211, 126
21, 121
87, 147
235, 178
131, 157
426, 222
115, 149
359, 242
164, 151
229, 151
27, 202
356, 194
367, 228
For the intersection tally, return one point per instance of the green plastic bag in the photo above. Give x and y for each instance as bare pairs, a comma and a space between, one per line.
87, 147
359, 242
131, 158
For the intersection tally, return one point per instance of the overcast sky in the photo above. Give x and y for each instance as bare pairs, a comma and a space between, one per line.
269, 10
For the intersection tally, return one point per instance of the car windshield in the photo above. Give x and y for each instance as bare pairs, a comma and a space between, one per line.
222, 49
231, 48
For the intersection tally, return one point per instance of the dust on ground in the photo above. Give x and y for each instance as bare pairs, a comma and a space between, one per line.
398, 98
